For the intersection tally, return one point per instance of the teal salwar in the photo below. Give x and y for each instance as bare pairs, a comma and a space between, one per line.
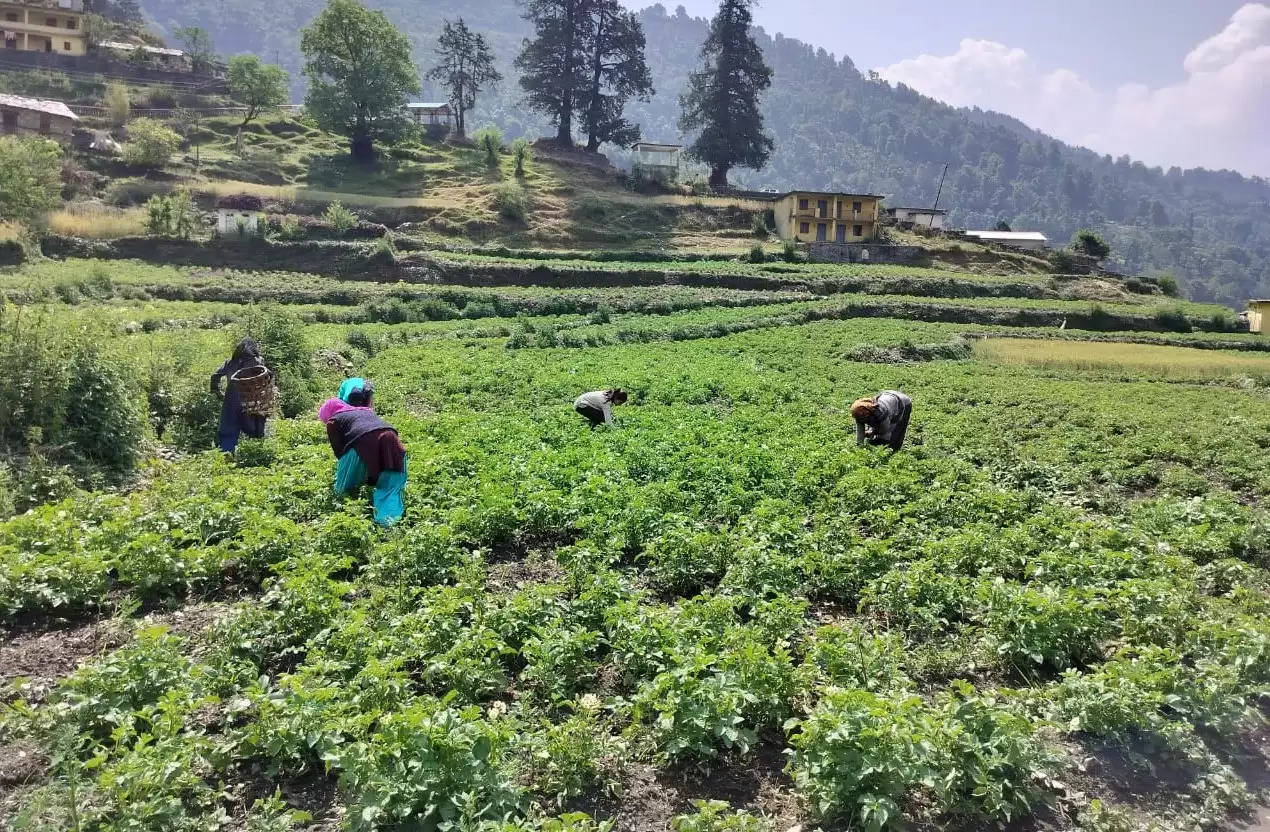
389, 499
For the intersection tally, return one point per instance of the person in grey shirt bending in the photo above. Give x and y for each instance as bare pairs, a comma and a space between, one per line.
597, 406
882, 419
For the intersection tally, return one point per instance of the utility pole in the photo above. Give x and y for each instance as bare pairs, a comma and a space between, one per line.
938, 194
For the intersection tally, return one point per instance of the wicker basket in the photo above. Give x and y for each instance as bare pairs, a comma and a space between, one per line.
256, 388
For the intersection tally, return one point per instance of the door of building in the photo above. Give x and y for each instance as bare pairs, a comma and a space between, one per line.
841, 235
822, 232
10, 122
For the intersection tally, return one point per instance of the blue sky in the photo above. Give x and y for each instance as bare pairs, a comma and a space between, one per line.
1172, 82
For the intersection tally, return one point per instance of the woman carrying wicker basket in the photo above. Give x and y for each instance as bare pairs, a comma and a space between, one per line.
235, 418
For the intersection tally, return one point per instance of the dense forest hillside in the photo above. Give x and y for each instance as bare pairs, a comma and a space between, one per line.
836, 126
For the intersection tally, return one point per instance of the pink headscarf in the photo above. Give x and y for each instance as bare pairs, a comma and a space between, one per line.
331, 407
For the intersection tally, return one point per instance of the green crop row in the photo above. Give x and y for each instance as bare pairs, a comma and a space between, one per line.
722, 577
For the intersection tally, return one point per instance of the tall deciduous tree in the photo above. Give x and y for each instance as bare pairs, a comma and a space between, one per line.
722, 99
198, 46
617, 72
466, 67
259, 86
360, 75
553, 64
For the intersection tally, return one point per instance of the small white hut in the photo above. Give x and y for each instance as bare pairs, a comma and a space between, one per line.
238, 216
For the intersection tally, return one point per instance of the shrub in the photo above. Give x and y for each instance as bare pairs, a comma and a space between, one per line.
757, 255
1168, 285
1174, 318
359, 339
523, 153
103, 421
117, 104
289, 228
30, 178
1087, 242
1064, 261
150, 143
511, 202
758, 225
339, 217
171, 216
280, 334
489, 141
789, 252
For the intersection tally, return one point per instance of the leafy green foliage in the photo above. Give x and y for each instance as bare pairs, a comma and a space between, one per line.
30, 178
150, 143
259, 86
360, 75
171, 215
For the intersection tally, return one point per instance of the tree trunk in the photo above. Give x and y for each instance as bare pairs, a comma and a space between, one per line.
564, 116
460, 124
719, 176
361, 146
593, 111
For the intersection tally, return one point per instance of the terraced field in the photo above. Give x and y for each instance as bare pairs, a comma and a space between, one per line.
1048, 611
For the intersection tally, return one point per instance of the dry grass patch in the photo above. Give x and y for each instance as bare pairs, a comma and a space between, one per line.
101, 222
1138, 359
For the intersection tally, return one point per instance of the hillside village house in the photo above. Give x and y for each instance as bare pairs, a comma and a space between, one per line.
1026, 240
157, 56
919, 217
815, 216
238, 216
21, 116
656, 161
43, 26
1259, 316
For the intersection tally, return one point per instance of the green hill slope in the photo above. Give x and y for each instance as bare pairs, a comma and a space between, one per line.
835, 127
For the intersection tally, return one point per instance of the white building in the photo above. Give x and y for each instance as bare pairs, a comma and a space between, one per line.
655, 161
238, 216
1027, 240
919, 217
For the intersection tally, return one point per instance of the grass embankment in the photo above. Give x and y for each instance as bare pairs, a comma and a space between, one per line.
1167, 362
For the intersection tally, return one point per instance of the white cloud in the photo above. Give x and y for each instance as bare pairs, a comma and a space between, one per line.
1218, 116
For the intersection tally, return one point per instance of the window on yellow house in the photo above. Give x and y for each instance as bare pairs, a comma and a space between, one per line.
856, 207
857, 231
802, 205
803, 228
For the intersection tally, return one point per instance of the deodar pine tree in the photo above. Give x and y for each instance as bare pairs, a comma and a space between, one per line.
360, 75
466, 67
553, 64
722, 99
617, 72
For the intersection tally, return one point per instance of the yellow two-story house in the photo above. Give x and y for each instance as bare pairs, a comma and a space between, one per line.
814, 216
55, 26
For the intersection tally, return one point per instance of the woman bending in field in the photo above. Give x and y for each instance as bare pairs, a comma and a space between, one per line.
368, 449
234, 420
597, 406
882, 419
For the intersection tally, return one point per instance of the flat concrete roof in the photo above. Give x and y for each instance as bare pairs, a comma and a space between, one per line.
1009, 235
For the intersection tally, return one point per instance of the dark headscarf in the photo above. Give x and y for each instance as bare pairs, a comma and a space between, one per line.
247, 348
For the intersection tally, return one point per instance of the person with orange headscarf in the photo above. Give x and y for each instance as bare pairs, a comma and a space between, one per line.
882, 419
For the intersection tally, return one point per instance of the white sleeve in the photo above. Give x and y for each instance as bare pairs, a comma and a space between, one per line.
607, 407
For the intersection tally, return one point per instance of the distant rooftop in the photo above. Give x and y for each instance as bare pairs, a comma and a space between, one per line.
827, 193
120, 46
53, 108
919, 210
427, 105
655, 146
1034, 236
